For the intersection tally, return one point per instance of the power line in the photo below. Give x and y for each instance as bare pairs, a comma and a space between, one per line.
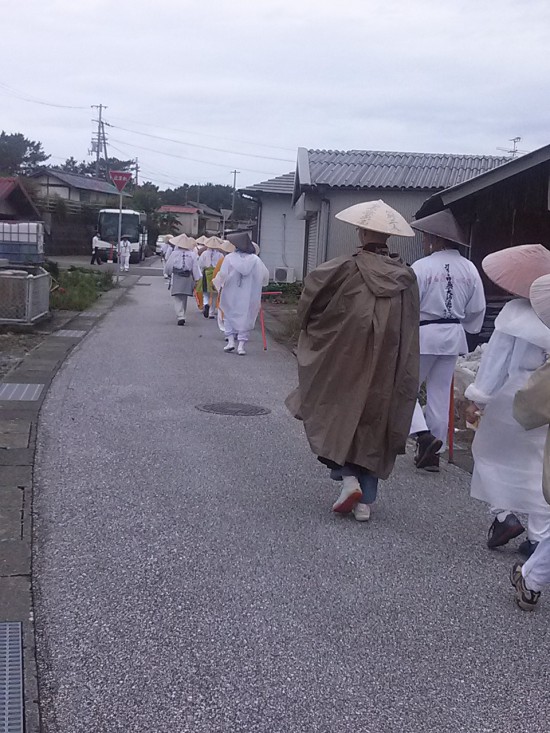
194, 145
27, 98
149, 171
184, 157
204, 134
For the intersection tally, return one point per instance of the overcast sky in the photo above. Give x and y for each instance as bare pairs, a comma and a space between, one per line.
258, 78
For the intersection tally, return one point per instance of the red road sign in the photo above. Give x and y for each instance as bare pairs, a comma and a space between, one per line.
120, 178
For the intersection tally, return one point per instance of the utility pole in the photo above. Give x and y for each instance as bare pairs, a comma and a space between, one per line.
96, 144
198, 193
234, 191
136, 164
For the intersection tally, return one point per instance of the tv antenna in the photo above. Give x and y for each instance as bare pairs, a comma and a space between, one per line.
514, 152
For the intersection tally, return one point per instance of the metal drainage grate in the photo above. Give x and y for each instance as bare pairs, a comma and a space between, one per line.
67, 333
20, 392
90, 314
237, 409
11, 678
144, 285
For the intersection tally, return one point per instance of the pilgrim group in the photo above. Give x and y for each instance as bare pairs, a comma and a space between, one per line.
225, 276
373, 330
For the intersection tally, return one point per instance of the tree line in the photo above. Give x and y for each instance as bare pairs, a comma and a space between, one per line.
20, 156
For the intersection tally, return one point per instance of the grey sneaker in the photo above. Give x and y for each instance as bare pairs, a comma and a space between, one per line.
361, 512
525, 598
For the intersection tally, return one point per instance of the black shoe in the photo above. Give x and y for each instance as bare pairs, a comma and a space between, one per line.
427, 447
431, 464
527, 548
206, 311
181, 322
502, 532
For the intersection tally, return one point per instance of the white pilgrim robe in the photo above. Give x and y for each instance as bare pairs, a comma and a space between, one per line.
209, 258
241, 278
508, 459
450, 287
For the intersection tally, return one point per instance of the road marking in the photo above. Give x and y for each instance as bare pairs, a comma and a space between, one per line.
20, 392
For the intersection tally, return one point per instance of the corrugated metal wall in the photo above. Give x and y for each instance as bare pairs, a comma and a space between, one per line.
342, 238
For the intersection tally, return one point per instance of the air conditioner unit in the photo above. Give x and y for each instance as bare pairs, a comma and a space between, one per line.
284, 275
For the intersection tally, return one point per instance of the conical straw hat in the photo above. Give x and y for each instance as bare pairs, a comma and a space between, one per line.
213, 243
377, 217
227, 247
183, 242
202, 240
516, 268
442, 224
539, 295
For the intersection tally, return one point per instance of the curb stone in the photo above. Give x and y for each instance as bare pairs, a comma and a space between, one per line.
18, 431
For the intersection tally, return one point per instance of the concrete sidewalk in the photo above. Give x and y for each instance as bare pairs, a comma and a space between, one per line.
189, 575
18, 429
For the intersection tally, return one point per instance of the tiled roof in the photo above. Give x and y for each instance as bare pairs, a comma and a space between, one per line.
76, 180
205, 210
379, 169
280, 184
484, 180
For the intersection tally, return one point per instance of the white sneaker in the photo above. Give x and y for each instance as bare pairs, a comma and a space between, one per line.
230, 346
361, 512
240, 349
349, 496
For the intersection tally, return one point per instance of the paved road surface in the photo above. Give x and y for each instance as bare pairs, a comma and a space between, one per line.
190, 576
151, 266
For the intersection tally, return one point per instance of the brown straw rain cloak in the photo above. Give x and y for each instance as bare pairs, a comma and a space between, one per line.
358, 360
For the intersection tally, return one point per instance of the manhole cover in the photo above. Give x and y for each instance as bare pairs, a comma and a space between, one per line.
237, 409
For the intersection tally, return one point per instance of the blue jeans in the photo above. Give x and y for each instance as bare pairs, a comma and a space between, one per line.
367, 480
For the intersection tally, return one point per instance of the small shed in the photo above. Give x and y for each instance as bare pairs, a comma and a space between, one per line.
501, 208
15, 202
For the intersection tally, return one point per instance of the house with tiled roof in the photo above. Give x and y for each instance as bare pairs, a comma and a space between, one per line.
297, 226
193, 218
75, 189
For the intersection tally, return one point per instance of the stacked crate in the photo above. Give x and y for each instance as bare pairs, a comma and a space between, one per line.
22, 242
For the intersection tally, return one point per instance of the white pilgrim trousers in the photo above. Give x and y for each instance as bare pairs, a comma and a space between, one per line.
124, 261
180, 305
437, 371
536, 571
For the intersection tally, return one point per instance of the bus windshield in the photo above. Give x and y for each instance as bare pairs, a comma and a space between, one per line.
108, 226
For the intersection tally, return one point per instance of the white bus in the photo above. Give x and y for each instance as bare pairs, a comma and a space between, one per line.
134, 226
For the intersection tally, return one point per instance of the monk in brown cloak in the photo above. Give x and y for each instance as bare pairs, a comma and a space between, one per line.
358, 358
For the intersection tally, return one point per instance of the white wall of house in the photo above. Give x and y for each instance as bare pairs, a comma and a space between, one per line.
50, 187
187, 224
281, 234
212, 224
